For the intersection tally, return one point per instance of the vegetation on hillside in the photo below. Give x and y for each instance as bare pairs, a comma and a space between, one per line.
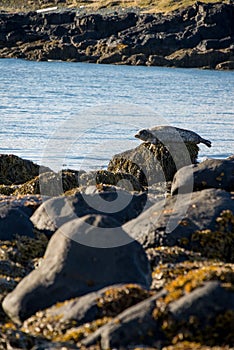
143, 5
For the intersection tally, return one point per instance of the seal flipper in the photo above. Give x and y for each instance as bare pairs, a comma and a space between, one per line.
206, 142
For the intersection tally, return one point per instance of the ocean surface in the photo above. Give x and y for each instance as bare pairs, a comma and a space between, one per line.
78, 115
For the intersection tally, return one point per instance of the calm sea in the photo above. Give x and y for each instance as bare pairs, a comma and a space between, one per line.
79, 115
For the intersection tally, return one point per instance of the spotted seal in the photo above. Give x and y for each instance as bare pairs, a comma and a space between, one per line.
170, 134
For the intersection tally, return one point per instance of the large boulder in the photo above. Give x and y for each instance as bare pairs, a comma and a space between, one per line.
70, 268
154, 163
117, 203
212, 173
174, 220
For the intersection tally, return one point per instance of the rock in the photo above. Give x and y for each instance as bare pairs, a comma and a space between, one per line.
49, 184
66, 319
188, 58
204, 303
119, 204
225, 65
207, 313
156, 60
104, 177
174, 220
136, 325
15, 170
212, 173
151, 164
14, 220
70, 269
200, 35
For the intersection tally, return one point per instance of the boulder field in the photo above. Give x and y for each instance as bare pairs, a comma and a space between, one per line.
112, 260
200, 36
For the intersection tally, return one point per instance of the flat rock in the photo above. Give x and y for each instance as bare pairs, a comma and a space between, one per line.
70, 268
212, 173
173, 221
117, 203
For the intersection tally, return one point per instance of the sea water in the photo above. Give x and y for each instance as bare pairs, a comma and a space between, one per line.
78, 115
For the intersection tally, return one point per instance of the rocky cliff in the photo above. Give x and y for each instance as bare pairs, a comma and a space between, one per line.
199, 36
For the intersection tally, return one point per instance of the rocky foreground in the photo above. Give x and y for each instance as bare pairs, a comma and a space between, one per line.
200, 36
156, 273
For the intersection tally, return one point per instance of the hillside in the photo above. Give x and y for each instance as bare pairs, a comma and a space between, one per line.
150, 6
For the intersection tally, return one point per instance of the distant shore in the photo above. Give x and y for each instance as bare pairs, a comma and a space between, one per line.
200, 36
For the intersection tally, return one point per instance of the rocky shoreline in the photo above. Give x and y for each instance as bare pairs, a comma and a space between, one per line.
200, 36
77, 272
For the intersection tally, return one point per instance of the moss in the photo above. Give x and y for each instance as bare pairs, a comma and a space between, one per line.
77, 334
144, 5
218, 244
7, 190
23, 250
115, 300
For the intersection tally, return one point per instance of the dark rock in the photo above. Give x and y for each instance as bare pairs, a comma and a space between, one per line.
59, 18
119, 204
49, 184
103, 177
70, 269
204, 303
15, 170
137, 60
135, 325
14, 221
156, 60
62, 52
205, 315
107, 302
154, 163
188, 58
174, 220
201, 35
212, 173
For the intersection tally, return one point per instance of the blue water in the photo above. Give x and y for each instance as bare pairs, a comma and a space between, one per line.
78, 115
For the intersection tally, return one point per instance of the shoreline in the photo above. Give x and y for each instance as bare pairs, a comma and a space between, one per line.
195, 37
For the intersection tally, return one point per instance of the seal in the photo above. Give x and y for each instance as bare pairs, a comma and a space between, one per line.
170, 134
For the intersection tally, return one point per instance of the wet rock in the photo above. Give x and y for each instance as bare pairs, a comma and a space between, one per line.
70, 268
151, 164
174, 220
15, 170
119, 204
212, 173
